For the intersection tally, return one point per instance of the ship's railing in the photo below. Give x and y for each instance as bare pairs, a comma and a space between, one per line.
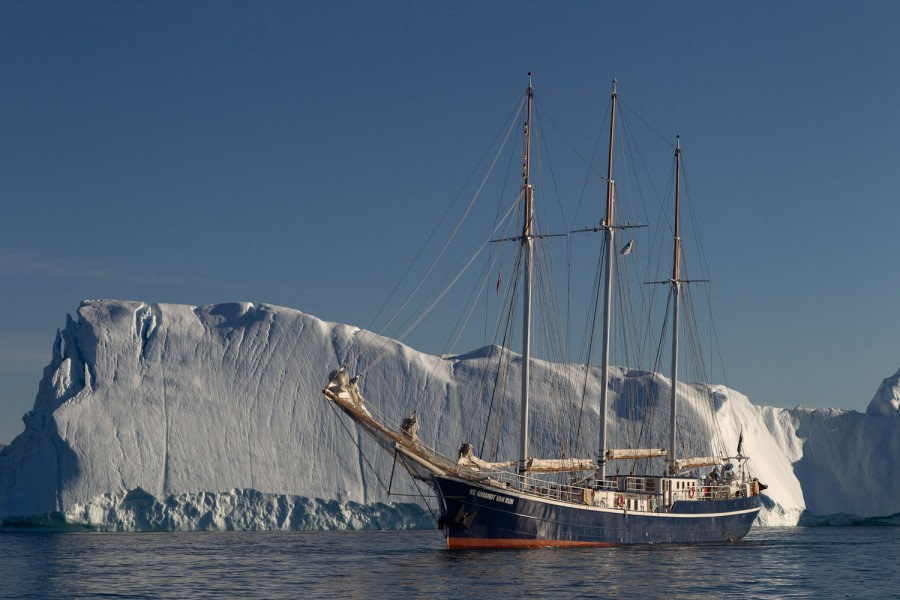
610, 485
543, 488
704, 492
649, 501
640, 485
535, 486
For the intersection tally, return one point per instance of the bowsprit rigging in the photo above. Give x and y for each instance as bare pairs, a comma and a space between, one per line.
665, 494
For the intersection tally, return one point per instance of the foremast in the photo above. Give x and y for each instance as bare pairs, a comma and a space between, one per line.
527, 250
676, 294
609, 229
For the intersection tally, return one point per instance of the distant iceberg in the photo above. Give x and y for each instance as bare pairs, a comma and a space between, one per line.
172, 417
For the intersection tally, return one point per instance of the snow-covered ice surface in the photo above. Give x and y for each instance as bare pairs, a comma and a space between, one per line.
172, 417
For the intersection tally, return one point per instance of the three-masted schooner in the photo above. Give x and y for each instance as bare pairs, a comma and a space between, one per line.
515, 504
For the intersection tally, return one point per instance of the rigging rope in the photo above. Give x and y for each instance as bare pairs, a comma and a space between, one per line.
630, 342
384, 346
387, 490
514, 121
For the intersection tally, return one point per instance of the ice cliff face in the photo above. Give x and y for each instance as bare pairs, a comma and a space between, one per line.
177, 417
887, 399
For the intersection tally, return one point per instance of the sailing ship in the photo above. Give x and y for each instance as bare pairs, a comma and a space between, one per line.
523, 503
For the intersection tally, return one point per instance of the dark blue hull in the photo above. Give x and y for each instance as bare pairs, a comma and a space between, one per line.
478, 516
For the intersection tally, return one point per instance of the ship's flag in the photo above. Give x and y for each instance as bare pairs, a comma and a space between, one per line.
499, 279
740, 442
628, 248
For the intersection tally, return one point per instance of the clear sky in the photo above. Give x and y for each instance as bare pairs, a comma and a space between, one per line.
205, 152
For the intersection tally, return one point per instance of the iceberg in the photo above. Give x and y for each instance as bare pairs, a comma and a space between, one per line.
235, 510
174, 417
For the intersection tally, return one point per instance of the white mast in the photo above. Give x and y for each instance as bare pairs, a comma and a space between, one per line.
527, 247
676, 288
607, 226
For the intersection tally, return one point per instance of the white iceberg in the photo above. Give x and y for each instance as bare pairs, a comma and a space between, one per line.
164, 417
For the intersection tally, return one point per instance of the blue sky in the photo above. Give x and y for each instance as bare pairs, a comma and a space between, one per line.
204, 152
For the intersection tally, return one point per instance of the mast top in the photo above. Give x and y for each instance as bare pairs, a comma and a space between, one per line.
614, 87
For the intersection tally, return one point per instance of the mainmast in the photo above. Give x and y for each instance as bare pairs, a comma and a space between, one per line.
527, 249
607, 226
676, 289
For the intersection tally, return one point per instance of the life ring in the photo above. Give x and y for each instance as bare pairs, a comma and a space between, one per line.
620, 500
691, 492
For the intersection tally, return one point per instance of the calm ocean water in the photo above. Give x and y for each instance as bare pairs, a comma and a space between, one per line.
802, 562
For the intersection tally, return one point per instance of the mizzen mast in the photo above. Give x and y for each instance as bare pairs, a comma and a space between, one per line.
527, 249
608, 227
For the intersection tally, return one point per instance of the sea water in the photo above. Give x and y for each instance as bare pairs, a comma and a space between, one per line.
798, 562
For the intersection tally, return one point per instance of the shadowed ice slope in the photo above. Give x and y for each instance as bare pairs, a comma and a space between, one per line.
212, 417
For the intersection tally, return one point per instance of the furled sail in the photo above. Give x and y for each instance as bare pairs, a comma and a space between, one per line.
699, 461
473, 462
626, 453
467, 458
553, 465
